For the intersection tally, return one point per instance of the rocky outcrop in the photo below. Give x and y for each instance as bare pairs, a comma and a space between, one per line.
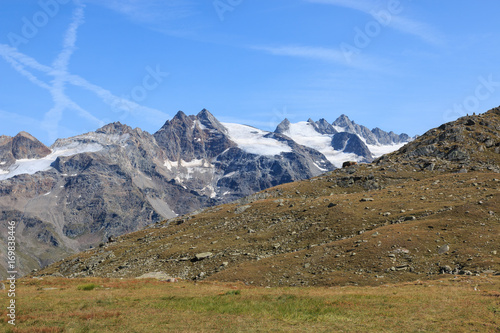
22, 146
460, 145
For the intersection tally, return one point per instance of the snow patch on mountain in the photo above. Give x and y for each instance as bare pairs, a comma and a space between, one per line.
305, 134
378, 151
32, 166
252, 140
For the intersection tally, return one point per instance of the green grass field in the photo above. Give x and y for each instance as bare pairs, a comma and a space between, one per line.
448, 304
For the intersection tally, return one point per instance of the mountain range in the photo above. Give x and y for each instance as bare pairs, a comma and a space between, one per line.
92, 187
428, 211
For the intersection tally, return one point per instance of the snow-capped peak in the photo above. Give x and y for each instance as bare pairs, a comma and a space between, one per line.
252, 140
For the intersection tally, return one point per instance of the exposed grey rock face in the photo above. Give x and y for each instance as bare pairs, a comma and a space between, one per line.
351, 143
193, 137
118, 187
388, 138
322, 126
351, 127
283, 126
249, 173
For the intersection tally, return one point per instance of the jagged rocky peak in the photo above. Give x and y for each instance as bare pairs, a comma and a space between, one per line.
324, 127
347, 125
180, 119
193, 137
388, 138
208, 120
180, 116
343, 121
283, 127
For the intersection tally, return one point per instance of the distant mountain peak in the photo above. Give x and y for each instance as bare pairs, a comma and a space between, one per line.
114, 128
26, 135
208, 120
283, 126
26, 146
193, 137
180, 115
343, 121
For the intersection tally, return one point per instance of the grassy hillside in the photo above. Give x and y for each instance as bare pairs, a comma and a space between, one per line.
447, 304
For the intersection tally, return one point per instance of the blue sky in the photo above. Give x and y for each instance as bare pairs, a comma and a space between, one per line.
68, 67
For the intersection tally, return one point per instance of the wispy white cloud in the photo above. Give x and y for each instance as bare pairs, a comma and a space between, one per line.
60, 65
59, 71
317, 53
398, 22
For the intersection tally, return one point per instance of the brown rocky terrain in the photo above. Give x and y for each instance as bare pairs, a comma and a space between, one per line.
430, 208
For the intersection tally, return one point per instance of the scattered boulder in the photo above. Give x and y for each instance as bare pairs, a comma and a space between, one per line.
160, 276
443, 249
203, 255
241, 209
349, 164
445, 270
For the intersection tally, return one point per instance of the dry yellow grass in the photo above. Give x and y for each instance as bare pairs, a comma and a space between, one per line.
449, 304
